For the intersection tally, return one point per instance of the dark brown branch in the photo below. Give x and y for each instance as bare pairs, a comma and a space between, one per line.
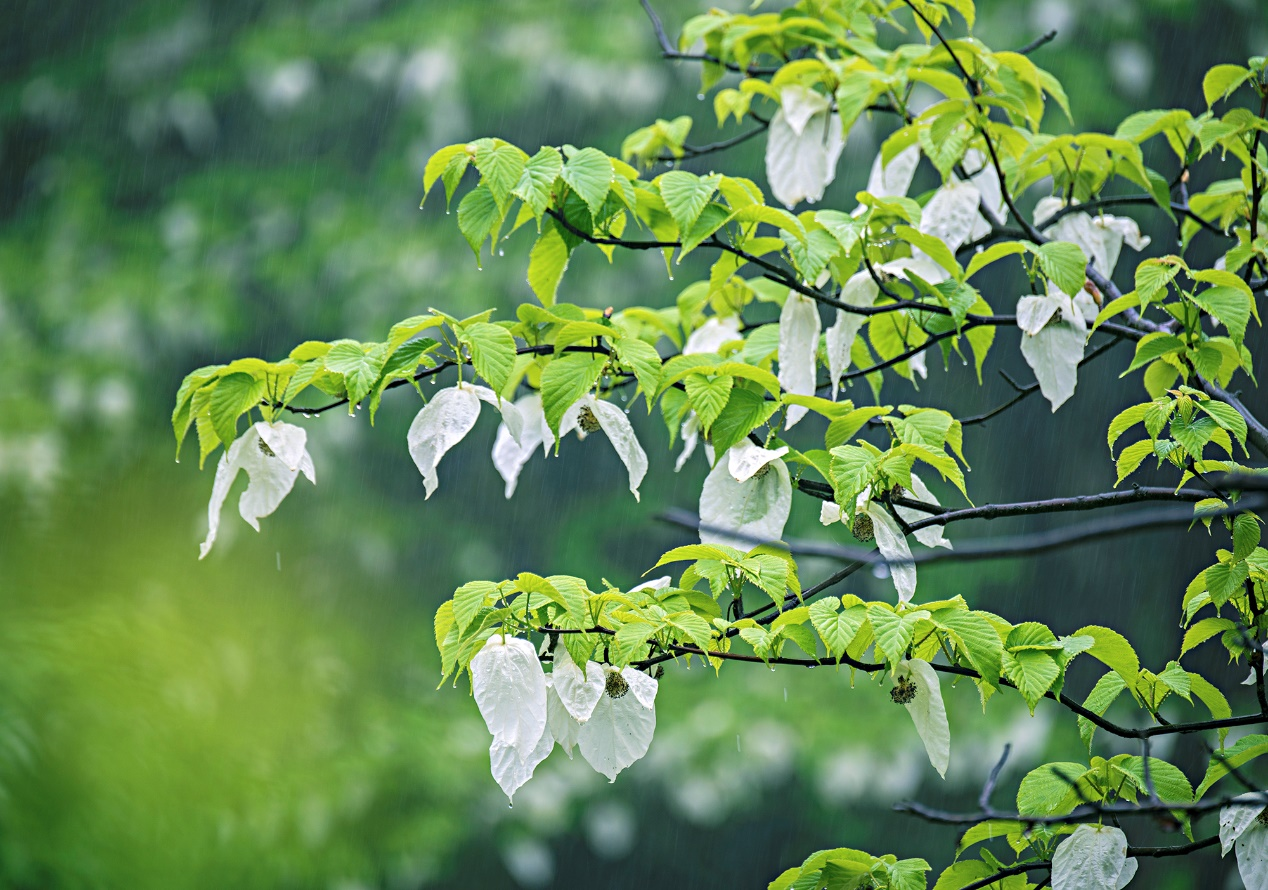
1024, 391
696, 151
1038, 42
667, 50
1122, 200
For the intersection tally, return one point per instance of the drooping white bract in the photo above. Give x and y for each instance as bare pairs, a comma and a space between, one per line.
743, 514
509, 687
559, 723
620, 729
1054, 331
892, 544
711, 336
511, 768
1241, 829
273, 455
859, 290
446, 420
952, 213
655, 584
1101, 237
745, 459
930, 535
571, 697
928, 712
579, 691
510, 456
1094, 857
798, 344
616, 426
893, 180
983, 177
803, 146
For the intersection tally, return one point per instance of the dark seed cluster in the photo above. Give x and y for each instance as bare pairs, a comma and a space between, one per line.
616, 685
863, 528
904, 692
265, 449
587, 421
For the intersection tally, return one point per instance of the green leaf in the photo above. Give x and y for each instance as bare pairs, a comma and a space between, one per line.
1152, 277
1214, 700
686, 194
1124, 421
836, 628
1227, 417
479, 216
360, 368
538, 179
492, 352
469, 599
234, 394
566, 379
1033, 671
1170, 784
500, 167
1228, 305
893, 632
977, 637
708, 395
643, 359
1152, 346
1202, 631
1131, 458
1103, 694
1113, 651
450, 162
1047, 790
547, 262
589, 172
1243, 751
991, 254
1065, 264
745, 411
1221, 80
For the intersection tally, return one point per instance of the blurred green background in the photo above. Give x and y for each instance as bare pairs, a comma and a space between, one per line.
185, 182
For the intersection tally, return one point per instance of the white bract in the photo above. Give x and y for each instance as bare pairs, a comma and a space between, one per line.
893, 179
744, 513
952, 213
620, 729
690, 432
578, 691
803, 146
1054, 331
446, 420
798, 343
1241, 829
984, 178
928, 712
745, 459
930, 535
509, 687
711, 336
1100, 237
892, 544
273, 455
1094, 857
509, 455
616, 426
859, 290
